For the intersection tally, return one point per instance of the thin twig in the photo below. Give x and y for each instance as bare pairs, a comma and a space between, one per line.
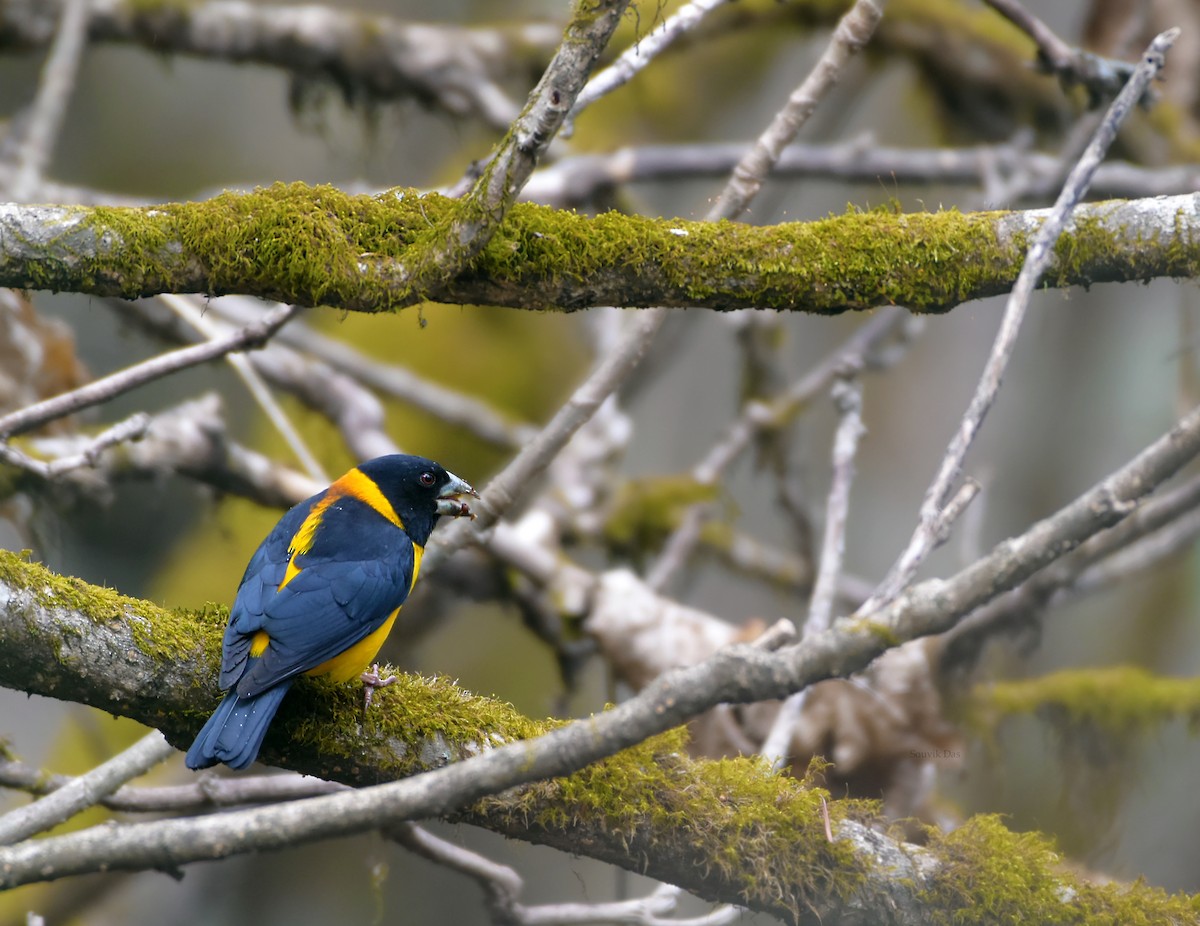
679, 546
132, 428
204, 792
447, 405
191, 312
109, 387
85, 791
191, 439
853, 32
353, 409
501, 884
644, 50
1102, 77
1135, 559
932, 523
49, 107
847, 397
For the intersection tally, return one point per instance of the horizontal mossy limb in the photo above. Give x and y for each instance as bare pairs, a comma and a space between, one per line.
317, 245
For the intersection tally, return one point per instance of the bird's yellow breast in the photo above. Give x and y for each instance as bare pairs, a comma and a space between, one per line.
353, 662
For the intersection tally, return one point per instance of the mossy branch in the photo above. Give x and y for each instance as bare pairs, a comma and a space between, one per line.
726, 830
1119, 701
317, 245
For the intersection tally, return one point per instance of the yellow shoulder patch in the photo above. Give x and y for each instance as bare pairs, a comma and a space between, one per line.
355, 484
292, 570
363, 487
303, 540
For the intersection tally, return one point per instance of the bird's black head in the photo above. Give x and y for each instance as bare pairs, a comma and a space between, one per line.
419, 491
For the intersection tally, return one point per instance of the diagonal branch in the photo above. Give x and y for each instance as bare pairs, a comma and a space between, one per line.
853, 32
85, 791
645, 50
1102, 77
934, 520
49, 107
250, 336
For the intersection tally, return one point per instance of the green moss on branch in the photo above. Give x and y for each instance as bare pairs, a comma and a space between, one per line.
989, 874
1118, 700
317, 245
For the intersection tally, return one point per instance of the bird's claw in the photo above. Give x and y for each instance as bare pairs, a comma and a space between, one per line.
371, 680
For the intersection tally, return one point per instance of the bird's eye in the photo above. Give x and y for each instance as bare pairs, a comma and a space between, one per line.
427, 479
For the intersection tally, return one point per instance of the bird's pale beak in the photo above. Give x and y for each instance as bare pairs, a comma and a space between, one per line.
450, 500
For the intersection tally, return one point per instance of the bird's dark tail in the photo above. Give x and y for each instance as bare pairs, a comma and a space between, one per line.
236, 729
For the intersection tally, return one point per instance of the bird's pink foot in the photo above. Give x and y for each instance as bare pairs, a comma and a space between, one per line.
372, 680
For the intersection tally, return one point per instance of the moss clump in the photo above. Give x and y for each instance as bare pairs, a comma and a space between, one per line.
992, 875
315, 243
989, 874
414, 724
1118, 700
96, 603
160, 633
646, 510
761, 831
928, 261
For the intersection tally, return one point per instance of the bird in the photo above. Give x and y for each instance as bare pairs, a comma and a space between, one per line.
321, 592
